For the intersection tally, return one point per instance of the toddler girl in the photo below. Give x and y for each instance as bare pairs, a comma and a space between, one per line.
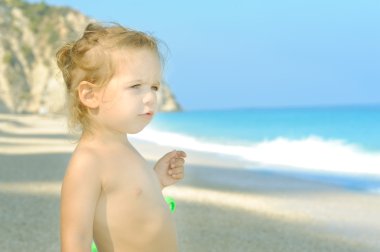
109, 193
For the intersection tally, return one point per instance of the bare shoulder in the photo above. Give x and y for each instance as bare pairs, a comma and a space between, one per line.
82, 180
85, 161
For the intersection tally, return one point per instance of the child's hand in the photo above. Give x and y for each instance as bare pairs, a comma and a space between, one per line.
170, 168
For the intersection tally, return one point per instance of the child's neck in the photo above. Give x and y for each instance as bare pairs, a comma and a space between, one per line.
105, 137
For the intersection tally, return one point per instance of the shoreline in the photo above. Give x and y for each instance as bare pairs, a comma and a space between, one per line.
353, 182
47, 133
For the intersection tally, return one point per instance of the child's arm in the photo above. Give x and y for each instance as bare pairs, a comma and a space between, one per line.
170, 168
79, 194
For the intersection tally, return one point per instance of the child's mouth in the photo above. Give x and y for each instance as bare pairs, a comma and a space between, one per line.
148, 114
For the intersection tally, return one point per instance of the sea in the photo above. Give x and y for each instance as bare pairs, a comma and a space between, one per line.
339, 145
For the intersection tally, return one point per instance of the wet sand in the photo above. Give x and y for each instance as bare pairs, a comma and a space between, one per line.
220, 205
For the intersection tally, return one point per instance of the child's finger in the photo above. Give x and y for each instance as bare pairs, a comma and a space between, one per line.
181, 154
177, 170
178, 176
177, 162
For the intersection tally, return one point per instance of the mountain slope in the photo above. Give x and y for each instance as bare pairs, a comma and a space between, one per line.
30, 34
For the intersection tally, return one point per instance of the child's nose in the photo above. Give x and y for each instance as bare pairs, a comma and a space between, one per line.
150, 97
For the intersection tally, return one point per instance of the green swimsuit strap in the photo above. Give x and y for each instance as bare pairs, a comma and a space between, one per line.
170, 201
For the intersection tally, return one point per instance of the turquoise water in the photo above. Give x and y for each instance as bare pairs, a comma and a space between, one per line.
333, 144
357, 125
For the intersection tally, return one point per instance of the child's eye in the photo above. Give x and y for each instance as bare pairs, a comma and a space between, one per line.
134, 86
155, 88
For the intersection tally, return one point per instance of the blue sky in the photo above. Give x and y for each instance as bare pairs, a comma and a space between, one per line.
239, 54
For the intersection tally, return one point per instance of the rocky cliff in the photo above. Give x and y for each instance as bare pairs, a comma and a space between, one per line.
30, 34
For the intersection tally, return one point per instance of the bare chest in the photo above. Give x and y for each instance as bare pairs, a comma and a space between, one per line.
131, 188
132, 204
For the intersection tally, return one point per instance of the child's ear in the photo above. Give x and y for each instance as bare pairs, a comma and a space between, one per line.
88, 94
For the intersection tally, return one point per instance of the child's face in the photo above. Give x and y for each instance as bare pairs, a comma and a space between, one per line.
132, 92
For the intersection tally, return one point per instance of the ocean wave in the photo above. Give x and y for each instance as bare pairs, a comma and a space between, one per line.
311, 153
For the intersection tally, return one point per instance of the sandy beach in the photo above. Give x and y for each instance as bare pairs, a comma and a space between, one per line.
221, 206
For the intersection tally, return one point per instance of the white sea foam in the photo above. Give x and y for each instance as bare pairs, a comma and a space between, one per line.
311, 153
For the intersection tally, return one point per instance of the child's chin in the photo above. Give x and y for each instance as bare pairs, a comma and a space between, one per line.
135, 131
